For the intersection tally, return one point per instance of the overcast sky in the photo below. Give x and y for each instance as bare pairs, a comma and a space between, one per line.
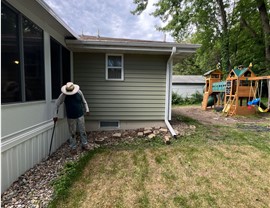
112, 18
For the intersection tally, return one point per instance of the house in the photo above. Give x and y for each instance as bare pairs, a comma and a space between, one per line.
186, 85
127, 83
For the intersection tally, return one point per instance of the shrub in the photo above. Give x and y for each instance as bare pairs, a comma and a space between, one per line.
176, 99
195, 98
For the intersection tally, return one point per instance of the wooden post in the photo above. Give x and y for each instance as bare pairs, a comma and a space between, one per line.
268, 85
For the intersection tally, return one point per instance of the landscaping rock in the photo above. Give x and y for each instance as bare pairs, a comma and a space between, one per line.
163, 130
140, 134
100, 140
147, 132
167, 140
151, 136
156, 132
117, 135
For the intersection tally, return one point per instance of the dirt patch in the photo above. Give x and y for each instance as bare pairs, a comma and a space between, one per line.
212, 117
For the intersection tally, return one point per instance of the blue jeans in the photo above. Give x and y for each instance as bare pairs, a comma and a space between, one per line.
72, 125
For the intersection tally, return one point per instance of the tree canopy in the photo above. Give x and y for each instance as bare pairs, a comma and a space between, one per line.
232, 32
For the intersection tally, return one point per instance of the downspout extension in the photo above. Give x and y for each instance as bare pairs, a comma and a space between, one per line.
170, 128
168, 90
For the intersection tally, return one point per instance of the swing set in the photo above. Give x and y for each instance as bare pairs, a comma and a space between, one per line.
247, 87
257, 100
241, 92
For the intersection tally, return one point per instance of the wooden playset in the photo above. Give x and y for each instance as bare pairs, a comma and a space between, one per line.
240, 94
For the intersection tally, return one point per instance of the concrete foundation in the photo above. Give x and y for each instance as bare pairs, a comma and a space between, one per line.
123, 125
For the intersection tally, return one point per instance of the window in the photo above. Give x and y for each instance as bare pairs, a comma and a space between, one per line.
114, 67
60, 67
33, 61
10, 52
22, 67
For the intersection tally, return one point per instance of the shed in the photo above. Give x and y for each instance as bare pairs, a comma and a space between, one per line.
186, 85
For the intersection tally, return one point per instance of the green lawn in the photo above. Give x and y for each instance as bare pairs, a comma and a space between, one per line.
214, 167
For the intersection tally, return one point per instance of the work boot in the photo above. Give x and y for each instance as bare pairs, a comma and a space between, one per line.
73, 151
86, 147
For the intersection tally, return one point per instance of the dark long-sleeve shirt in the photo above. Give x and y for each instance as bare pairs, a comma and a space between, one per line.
74, 104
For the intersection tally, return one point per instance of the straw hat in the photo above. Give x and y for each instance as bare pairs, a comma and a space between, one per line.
70, 88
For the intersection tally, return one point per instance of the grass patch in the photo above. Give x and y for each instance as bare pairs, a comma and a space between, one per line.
215, 166
71, 173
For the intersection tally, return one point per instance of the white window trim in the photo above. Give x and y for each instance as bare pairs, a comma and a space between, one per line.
122, 68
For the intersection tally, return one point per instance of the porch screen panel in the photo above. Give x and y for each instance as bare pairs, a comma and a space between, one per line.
33, 61
10, 55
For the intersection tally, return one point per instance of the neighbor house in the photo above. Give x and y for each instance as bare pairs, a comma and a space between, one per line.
186, 85
127, 83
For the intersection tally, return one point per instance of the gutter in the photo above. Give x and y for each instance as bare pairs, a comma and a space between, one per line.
169, 92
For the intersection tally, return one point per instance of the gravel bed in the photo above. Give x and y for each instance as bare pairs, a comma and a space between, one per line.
34, 188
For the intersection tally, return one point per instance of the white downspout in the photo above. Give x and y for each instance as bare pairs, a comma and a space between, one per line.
169, 93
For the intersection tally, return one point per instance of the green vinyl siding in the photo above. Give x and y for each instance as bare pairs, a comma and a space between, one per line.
140, 96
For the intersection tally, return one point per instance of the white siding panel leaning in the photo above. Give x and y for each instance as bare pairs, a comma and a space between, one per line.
22, 151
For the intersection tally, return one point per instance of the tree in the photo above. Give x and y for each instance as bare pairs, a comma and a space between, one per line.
230, 32
197, 18
246, 37
264, 16
187, 66
224, 37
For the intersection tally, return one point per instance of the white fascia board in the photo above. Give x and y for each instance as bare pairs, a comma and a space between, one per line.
139, 43
164, 48
126, 49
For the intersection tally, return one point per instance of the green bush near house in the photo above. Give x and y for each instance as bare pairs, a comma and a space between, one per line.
195, 98
176, 99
